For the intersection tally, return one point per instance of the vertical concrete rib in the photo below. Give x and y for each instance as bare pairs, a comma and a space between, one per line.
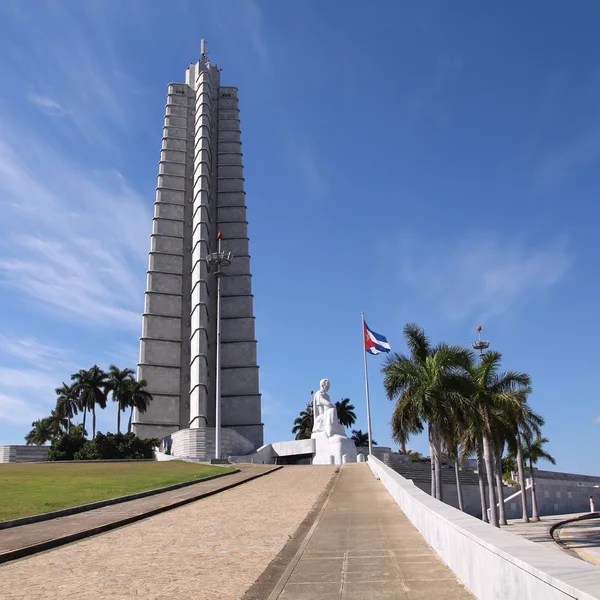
163, 319
241, 401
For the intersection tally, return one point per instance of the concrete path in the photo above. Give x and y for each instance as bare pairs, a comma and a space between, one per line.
362, 547
538, 532
213, 549
25, 540
584, 538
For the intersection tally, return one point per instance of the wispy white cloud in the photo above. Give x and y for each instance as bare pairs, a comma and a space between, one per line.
305, 164
75, 240
30, 350
16, 410
47, 105
243, 21
570, 157
480, 278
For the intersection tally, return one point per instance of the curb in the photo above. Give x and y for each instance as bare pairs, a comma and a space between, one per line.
563, 545
80, 535
73, 510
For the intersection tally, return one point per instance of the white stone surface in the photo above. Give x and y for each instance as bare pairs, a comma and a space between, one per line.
23, 453
328, 433
492, 563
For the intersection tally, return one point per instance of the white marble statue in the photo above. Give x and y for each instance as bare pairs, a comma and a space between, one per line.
325, 414
331, 442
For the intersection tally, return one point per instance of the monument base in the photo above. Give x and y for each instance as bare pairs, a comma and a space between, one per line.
336, 449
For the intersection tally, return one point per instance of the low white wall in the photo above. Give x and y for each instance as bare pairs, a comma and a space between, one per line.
22, 453
490, 562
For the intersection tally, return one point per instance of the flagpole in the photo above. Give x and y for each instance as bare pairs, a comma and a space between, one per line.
367, 385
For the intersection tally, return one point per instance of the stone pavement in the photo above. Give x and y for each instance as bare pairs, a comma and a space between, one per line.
212, 549
537, 531
25, 540
362, 547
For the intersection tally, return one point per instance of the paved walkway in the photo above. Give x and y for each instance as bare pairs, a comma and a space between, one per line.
212, 549
584, 538
364, 548
36, 537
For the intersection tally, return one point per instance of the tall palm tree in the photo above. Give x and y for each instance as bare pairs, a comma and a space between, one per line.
66, 403
361, 439
430, 387
345, 412
303, 424
92, 388
451, 439
118, 384
40, 434
57, 424
493, 390
138, 397
534, 451
526, 423
472, 444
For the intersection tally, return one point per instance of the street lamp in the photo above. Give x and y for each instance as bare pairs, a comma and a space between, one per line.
218, 259
480, 344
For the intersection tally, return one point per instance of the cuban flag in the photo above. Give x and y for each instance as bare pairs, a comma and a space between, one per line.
375, 343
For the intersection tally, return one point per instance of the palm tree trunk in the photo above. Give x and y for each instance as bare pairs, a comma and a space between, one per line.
535, 515
500, 485
130, 419
118, 417
521, 468
489, 468
458, 485
437, 448
479, 454
84, 416
431, 453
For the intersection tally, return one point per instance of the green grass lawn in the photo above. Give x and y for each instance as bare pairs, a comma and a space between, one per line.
31, 489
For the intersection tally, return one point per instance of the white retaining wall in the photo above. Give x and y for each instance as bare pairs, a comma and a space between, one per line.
492, 563
20, 454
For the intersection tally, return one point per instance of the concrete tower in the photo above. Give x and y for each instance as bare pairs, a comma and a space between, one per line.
200, 192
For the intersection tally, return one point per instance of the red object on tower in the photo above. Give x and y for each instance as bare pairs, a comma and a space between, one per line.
219, 236
479, 328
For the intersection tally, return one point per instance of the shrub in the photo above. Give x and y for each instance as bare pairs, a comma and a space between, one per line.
117, 446
66, 446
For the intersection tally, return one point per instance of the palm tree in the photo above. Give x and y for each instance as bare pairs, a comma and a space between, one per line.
493, 390
57, 424
533, 452
472, 445
66, 403
429, 386
40, 434
118, 384
451, 439
361, 439
526, 423
138, 398
303, 424
92, 388
345, 412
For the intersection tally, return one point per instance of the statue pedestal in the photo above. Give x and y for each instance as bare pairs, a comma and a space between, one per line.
336, 446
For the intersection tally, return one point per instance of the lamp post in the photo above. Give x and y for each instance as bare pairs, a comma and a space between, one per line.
218, 259
480, 344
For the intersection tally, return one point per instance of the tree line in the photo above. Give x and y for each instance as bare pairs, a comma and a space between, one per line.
303, 424
90, 389
470, 408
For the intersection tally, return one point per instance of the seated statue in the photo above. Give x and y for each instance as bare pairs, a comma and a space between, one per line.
325, 414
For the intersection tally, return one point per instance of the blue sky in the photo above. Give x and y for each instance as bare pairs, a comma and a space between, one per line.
430, 162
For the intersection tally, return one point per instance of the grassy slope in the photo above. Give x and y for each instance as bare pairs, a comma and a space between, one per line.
30, 489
